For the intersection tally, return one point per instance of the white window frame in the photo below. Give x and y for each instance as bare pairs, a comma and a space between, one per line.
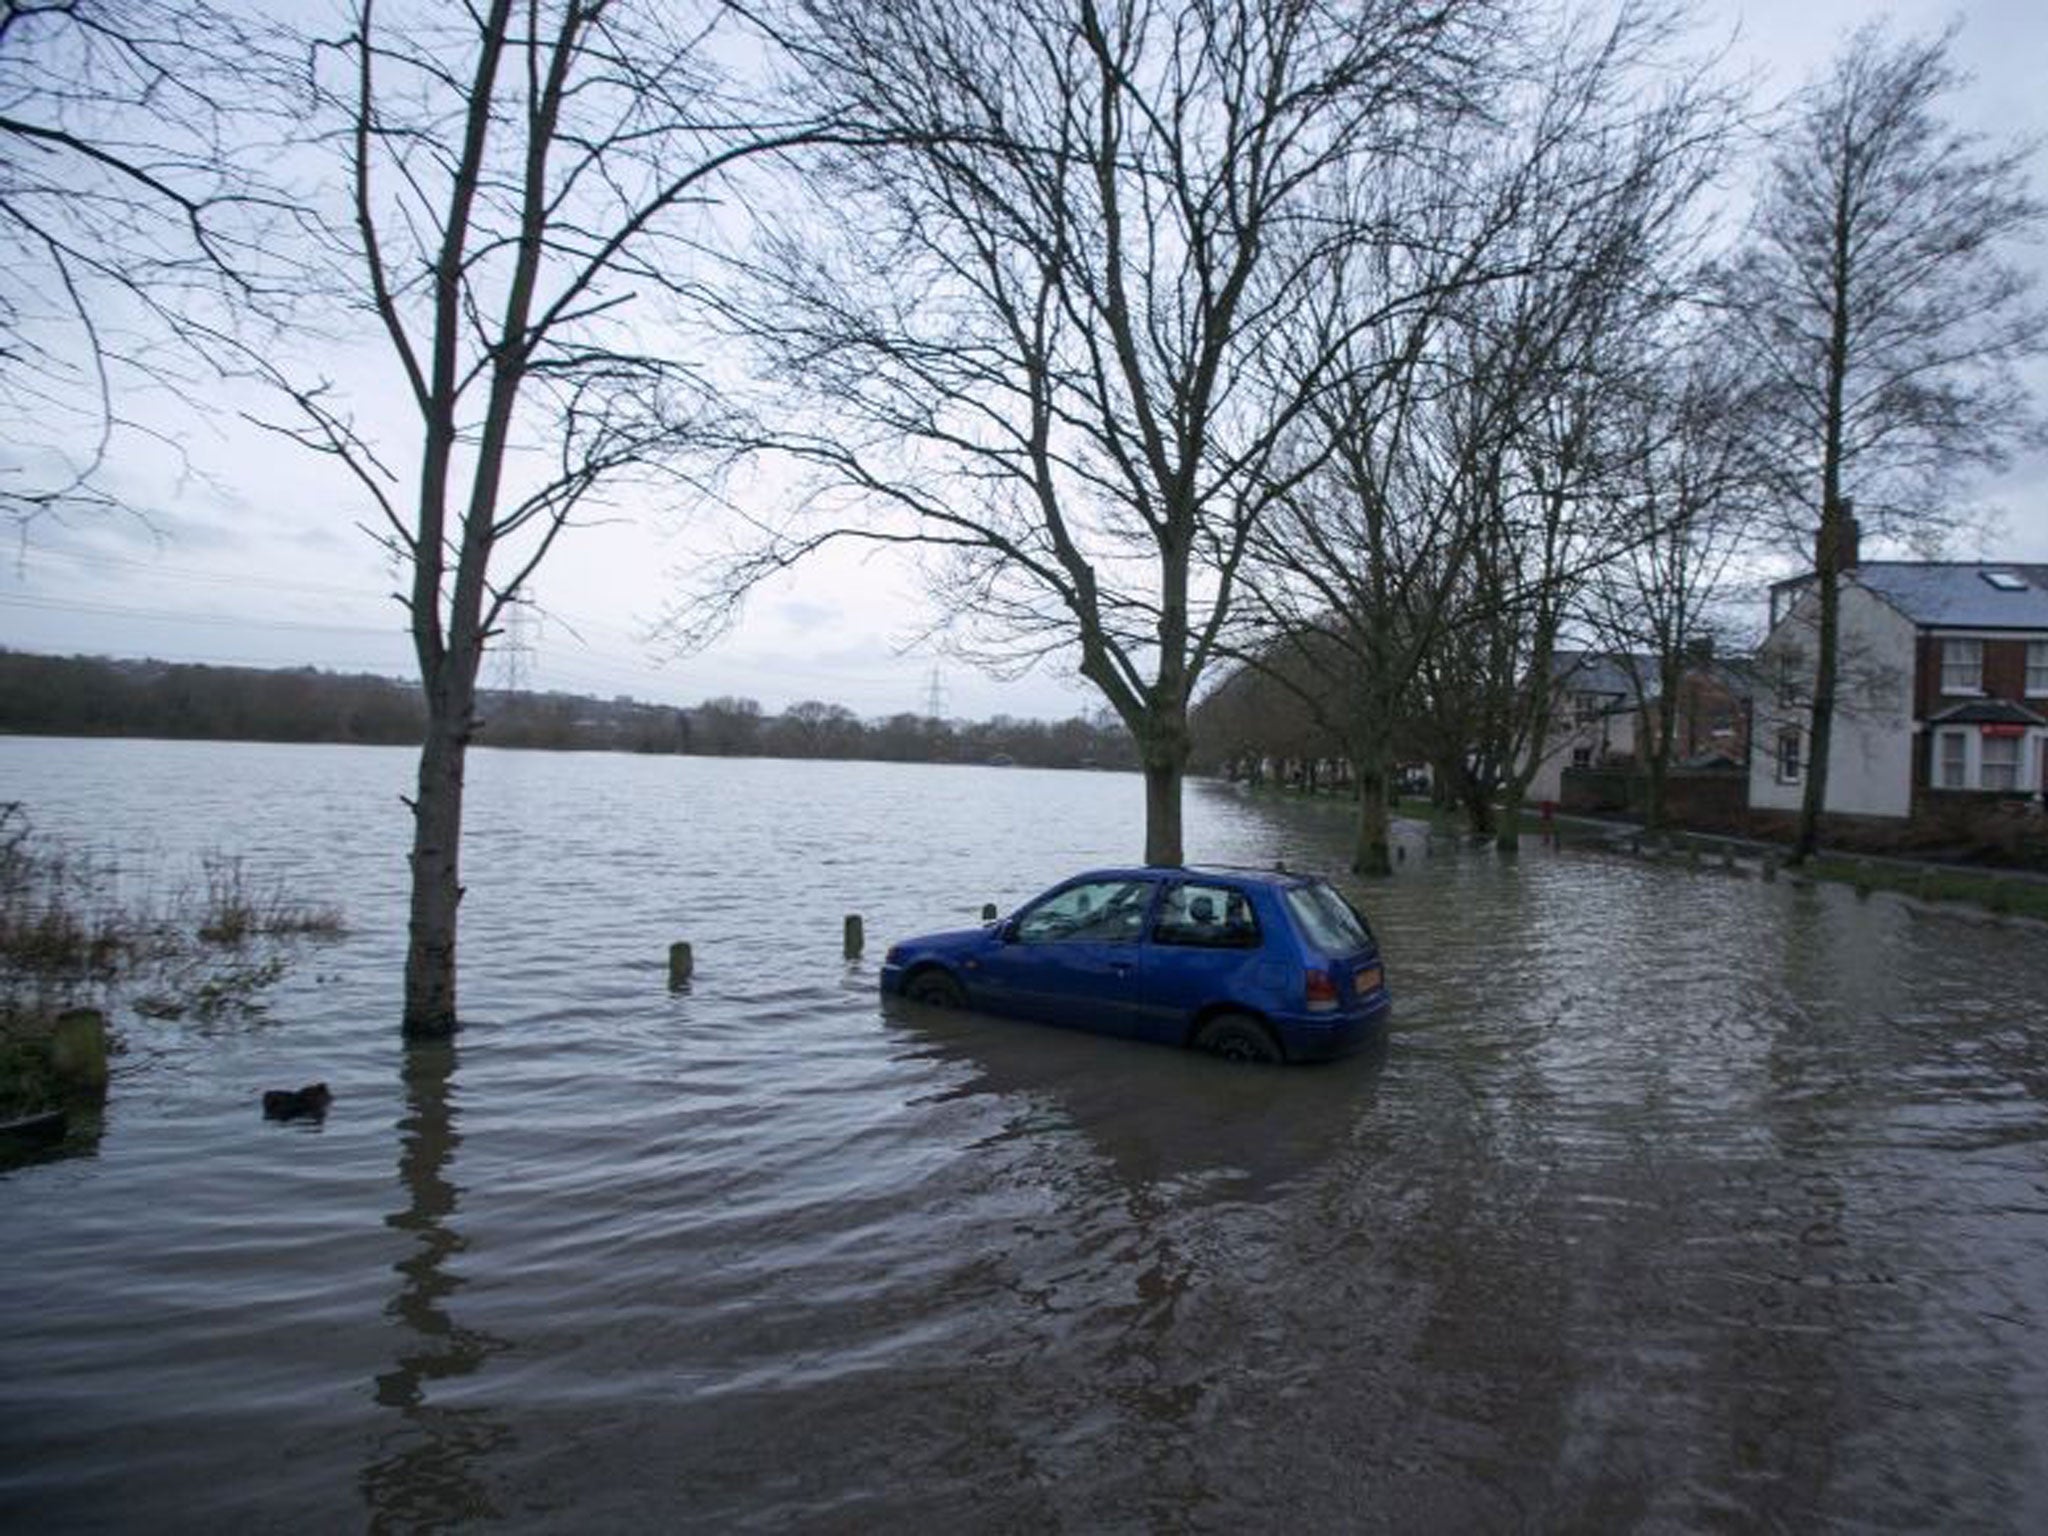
2037, 669
2018, 744
1789, 764
1959, 657
1960, 740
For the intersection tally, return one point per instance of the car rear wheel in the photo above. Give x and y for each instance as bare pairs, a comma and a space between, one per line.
1237, 1037
935, 989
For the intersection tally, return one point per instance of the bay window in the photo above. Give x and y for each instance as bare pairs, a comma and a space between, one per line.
1999, 767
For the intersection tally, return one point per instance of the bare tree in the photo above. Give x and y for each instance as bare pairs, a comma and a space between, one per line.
1042, 340
1689, 491
1455, 437
1879, 301
131, 229
526, 200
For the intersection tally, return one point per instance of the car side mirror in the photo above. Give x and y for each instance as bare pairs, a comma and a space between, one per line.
1006, 931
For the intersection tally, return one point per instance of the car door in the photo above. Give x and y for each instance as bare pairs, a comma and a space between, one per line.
1072, 957
1206, 949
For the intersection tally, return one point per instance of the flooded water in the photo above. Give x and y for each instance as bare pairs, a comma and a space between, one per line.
1672, 1201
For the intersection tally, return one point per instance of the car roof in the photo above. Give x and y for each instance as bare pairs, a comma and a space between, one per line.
1241, 874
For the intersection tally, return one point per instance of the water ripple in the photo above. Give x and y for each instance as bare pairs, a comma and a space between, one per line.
1672, 1200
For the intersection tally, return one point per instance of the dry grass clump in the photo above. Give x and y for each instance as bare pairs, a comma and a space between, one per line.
234, 908
57, 921
67, 935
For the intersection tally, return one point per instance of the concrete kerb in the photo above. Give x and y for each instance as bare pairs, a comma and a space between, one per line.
1747, 855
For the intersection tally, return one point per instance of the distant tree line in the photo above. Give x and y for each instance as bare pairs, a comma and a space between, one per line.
95, 696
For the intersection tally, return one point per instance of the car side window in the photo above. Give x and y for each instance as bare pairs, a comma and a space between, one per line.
1208, 916
1095, 912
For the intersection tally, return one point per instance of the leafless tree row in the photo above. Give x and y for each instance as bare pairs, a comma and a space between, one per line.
1371, 346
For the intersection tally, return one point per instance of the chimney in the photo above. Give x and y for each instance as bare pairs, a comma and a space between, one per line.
1848, 538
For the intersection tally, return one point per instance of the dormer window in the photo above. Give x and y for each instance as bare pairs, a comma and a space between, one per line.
1962, 666
2005, 581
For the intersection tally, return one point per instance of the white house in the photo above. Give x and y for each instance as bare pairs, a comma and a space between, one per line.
1596, 714
1942, 689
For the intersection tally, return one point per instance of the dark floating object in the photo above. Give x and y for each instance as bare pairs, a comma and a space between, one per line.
307, 1103
34, 1130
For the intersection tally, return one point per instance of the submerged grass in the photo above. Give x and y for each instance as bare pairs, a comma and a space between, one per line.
69, 935
2002, 894
235, 909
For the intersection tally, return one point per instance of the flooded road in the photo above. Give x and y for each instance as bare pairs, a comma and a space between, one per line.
1672, 1200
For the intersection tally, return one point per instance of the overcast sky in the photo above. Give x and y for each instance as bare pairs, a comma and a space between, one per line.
254, 559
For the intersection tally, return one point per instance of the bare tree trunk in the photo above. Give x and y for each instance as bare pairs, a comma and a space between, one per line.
1372, 851
1655, 778
1663, 739
1372, 769
1813, 799
1829, 547
430, 1007
1166, 762
1516, 780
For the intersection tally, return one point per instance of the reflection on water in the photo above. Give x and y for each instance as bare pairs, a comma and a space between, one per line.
1199, 1120
426, 1474
1672, 1201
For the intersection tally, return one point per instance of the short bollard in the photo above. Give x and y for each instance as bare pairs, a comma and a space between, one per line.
1864, 880
1770, 867
681, 962
988, 912
855, 939
1728, 862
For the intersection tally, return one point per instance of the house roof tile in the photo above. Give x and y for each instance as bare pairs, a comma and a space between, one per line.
1603, 672
1987, 712
1945, 595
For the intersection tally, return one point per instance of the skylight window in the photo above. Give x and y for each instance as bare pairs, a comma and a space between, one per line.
2005, 581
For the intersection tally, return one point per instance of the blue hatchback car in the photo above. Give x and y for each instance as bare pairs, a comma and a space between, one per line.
1247, 965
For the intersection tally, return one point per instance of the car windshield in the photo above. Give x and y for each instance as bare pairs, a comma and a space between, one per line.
1327, 920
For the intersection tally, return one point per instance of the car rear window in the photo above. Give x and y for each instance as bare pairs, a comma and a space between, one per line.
1327, 920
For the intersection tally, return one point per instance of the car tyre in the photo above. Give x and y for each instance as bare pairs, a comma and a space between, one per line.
1237, 1037
935, 989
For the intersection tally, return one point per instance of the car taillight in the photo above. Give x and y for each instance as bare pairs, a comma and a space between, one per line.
1322, 992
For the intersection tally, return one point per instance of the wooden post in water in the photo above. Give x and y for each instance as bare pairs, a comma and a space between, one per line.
855, 939
78, 1052
681, 962
988, 912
